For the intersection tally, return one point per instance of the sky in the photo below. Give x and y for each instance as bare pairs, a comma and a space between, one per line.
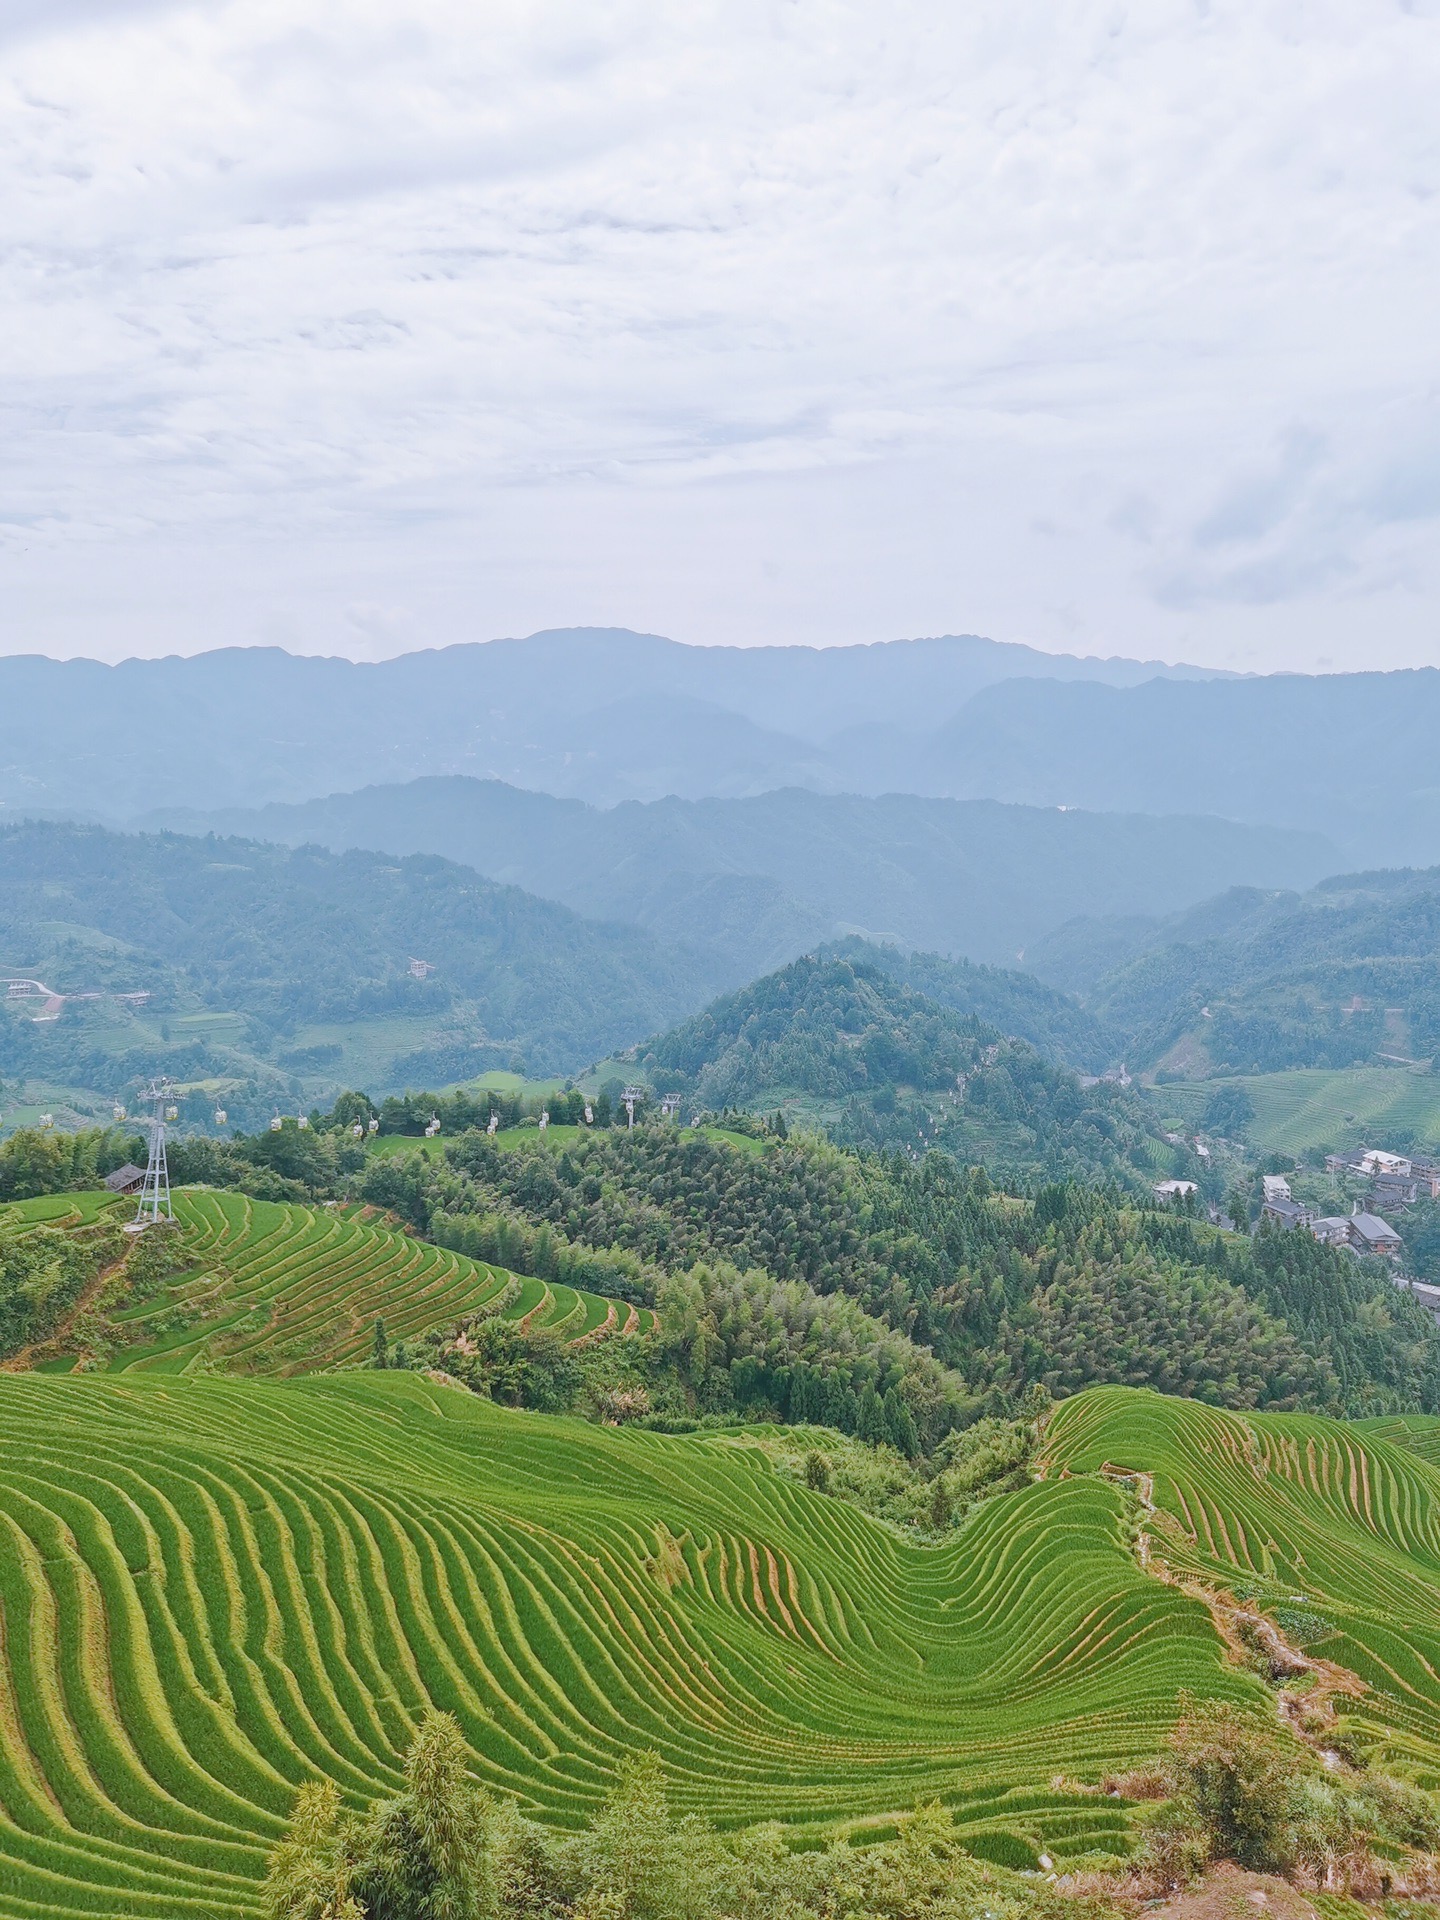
354, 328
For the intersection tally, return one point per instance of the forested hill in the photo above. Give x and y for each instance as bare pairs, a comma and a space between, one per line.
303, 949
1263, 981
1056, 1024
843, 1040
1064, 1291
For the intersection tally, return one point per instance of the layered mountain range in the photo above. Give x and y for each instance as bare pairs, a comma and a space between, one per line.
606, 715
753, 882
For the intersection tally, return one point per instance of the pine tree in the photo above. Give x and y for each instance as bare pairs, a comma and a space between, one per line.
900, 1425
849, 1409
871, 1426
836, 1408
380, 1355
804, 1411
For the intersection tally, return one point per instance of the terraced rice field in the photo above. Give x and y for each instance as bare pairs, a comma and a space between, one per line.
1328, 1525
1419, 1432
1313, 1106
214, 1589
63, 1210
283, 1288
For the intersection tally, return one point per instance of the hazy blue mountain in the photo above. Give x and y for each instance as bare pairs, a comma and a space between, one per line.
1349, 755
602, 713
607, 716
753, 882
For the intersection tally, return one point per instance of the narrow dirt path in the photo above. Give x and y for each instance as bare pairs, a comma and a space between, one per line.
24, 1360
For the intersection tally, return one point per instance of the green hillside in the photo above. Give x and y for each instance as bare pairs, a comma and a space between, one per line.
217, 1589
967, 1296
1016, 1004
1313, 1107
1250, 982
270, 975
845, 1040
252, 1286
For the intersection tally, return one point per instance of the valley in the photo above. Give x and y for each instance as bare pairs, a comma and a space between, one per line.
780, 1292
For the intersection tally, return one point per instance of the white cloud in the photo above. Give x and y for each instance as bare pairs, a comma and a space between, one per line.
375, 325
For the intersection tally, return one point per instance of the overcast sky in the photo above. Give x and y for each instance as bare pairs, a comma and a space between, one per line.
367, 326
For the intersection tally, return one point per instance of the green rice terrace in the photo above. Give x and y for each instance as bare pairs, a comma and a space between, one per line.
215, 1589
270, 1287
1315, 1106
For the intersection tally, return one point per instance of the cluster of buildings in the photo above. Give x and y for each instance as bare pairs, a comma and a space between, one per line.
1360, 1230
1396, 1180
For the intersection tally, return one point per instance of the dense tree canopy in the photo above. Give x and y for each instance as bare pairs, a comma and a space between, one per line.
1074, 1287
894, 1067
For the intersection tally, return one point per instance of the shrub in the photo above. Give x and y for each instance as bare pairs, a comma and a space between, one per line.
1235, 1773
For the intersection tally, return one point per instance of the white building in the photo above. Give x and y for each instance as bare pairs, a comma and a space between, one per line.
1373, 1162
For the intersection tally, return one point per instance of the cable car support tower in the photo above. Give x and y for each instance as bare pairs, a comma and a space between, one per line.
154, 1204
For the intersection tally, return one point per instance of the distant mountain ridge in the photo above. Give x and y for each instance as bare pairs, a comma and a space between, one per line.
754, 882
599, 712
606, 715
1349, 755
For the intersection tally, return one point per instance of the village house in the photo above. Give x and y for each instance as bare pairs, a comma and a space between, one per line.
126, 1179
1370, 1234
1399, 1180
1288, 1213
1170, 1190
1332, 1230
1394, 1190
1362, 1232
1374, 1162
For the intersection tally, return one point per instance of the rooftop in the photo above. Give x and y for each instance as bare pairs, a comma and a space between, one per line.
1371, 1227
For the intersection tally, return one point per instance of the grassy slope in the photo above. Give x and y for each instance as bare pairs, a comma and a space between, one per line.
1315, 1107
216, 1588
